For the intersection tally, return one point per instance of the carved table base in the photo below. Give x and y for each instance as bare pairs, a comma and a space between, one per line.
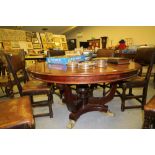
83, 101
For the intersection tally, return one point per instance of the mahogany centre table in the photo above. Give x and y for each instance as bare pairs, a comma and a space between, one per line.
83, 101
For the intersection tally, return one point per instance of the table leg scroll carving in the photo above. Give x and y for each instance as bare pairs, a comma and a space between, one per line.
83, 102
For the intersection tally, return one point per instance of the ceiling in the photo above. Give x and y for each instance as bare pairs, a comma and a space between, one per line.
52, 29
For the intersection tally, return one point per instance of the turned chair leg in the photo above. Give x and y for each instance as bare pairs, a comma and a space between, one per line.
144, 97
104, 92
147, 121
50, 102
130, 91
123, 99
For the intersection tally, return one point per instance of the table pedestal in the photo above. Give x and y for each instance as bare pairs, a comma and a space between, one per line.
83, 101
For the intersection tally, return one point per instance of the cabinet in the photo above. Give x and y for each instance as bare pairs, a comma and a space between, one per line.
94, 43
71, 44
104, 41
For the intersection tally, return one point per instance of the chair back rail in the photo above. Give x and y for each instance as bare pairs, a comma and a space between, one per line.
16, 66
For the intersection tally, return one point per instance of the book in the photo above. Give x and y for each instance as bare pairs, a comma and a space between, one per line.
118, 60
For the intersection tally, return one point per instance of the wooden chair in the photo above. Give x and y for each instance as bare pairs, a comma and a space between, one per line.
137, 82
103, 53
6, 83
149, 114
16, 64
53, 53
16, 113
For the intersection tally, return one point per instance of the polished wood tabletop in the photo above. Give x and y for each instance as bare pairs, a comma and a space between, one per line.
67, 75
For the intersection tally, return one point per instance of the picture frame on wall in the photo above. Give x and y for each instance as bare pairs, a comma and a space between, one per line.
63, 39
28, 36
49, 37
35, 41
45, 46
15, 44
49, 45
34, 35
43, 37
37, 46
64, 46
29, 45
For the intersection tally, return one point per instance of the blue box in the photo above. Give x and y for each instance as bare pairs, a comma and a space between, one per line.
64, 60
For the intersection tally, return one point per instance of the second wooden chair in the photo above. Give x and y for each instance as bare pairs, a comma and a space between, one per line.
16, 64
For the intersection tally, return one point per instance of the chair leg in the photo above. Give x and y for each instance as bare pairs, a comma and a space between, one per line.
147, 121
61, 93
31, 98
144, 97
123, 99
130, 91
154, 80
104, 92
50, 102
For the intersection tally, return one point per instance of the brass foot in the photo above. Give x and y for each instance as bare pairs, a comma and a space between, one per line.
109, 113
70, 124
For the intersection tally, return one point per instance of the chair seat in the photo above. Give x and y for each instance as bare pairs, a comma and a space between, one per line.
16, 113
35, 87
150, 106
134, 82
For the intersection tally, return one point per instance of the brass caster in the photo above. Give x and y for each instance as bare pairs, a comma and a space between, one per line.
70, 124
109, 113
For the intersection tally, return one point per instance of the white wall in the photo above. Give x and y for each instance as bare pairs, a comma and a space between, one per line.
139, 34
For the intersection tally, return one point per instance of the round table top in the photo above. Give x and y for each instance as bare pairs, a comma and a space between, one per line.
66, 75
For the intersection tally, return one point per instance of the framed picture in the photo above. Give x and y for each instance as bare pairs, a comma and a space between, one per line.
49, 37
15, 44
64, 46
37, 46
7, 45
35, 40
28, 36
29, 45
45, 46
63, 39
49, 45
34, 35
43, 37
56, 39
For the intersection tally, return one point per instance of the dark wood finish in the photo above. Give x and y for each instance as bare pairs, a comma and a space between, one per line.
71, 44
16, 113
6, 83
126, 55
105, 53
83, 101
16, 64
137, 82
149, 114
55, 73
104, 42
53, 53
